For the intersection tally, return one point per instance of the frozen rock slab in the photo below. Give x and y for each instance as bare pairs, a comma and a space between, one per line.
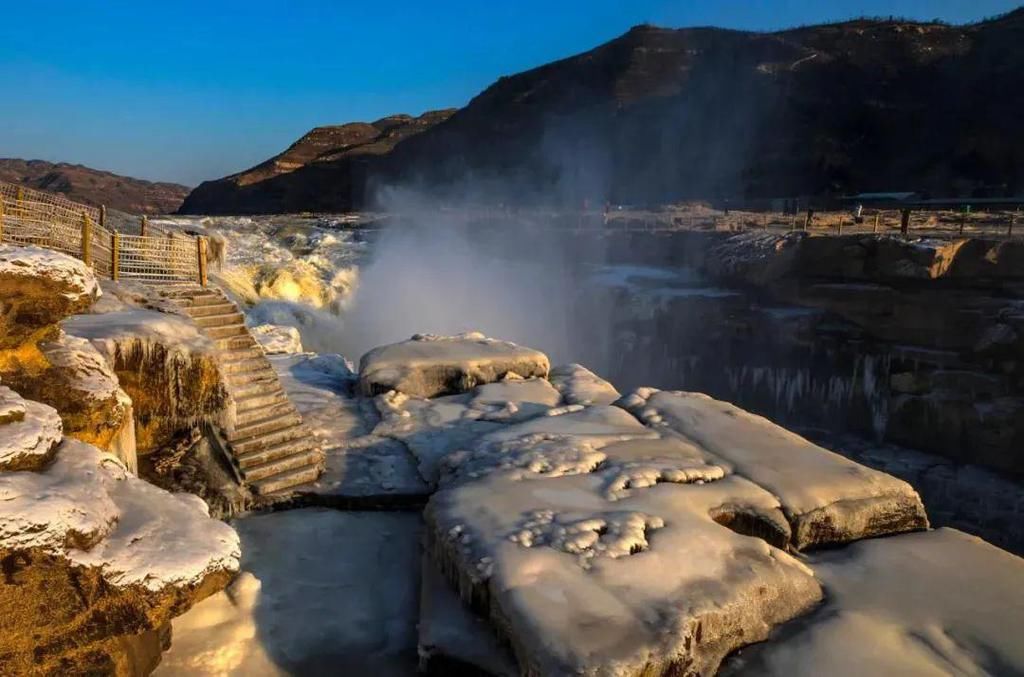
428, 365
647, 585
29, 432
579, 385
828, 498
452, 639
933, 603
40, 287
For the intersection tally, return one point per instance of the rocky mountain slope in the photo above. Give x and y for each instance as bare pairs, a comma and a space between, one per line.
324, 170
95, 187
659, 115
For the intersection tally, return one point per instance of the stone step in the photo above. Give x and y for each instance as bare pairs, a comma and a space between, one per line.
244, 419
238, 342
260, 400
258, 457
304, 460
286, 483
227, 319
205, 311
264, 426
252, 384
242, 360
228, 331
288, 431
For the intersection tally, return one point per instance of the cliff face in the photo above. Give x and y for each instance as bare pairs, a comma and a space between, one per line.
325, 170
95, 187
660, 115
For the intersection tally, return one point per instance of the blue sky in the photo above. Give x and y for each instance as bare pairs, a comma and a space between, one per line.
185, 91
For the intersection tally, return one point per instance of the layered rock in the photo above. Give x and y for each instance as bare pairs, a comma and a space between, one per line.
97, 562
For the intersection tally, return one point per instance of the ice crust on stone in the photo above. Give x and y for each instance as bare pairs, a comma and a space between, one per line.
90, 372
681, 590
78, 282
513, 400
87, 507
579, 385
934, 603
29, 432
145, 327
277, 339
828, 498
428, 365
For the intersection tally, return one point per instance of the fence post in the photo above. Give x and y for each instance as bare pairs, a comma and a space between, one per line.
963, 218
1009, 230
839, 228
103, 215
905, 222
1, 219
115, 256
877, 216
86, 239
766, 220
20, 197
144, 225
808, 219
201, 255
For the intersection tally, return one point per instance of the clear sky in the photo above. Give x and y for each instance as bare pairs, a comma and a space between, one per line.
188, 90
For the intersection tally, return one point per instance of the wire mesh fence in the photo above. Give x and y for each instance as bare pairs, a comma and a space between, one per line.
32, 217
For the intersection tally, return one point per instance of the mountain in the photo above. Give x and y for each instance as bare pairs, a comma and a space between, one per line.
320, 172
95, 187
660, 115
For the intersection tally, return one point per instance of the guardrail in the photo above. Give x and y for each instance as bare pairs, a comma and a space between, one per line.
153, 254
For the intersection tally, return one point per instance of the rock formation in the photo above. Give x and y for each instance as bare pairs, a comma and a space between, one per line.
96, 562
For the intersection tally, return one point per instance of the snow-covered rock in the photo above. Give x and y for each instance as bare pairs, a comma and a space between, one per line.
277, 339
933, 603
428, 365
165, 364
39, 287
827, 497
97, 559
579, 385
29, 432
647, 584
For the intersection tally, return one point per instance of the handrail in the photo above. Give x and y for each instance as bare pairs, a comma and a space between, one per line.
34, 217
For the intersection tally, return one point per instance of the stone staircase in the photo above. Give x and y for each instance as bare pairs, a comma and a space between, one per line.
273, 451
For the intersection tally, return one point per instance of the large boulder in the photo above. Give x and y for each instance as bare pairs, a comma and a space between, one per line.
96, 561
39, 288
428, 365
31, 432
163, 362
827, 498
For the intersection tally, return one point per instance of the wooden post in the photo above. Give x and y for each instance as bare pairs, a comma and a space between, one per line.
878, 215
793, 227
905, 222
963, 218
1009, 230
766, 220
103, 215
115, 256
808, 219
86, 239
201, 252
144, 225
839, 228
1, 219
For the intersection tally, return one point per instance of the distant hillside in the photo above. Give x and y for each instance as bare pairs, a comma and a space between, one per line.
660, 115
95, 187
332, 160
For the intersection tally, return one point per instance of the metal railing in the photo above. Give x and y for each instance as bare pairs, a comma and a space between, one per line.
33, 217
